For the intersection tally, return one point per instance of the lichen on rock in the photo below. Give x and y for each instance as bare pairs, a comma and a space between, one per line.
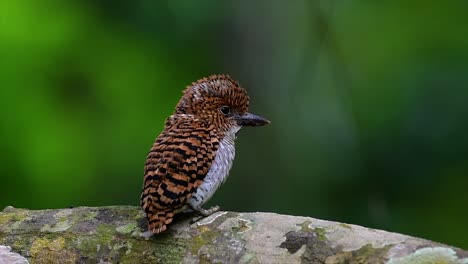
430, 255
112, 235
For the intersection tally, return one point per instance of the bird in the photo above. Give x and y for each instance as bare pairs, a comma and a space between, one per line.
192, 156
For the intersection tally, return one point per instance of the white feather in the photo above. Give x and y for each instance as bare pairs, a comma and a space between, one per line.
219, 170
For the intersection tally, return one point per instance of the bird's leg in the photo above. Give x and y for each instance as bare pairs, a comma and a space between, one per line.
203, 212
207, 212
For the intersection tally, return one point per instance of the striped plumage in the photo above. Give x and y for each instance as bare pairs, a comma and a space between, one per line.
193, 154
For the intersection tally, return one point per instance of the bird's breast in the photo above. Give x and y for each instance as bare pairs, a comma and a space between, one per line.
219, 170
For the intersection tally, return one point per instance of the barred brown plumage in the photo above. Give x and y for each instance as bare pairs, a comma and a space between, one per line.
193, 154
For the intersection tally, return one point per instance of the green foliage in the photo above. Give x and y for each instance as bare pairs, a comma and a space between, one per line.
368, 103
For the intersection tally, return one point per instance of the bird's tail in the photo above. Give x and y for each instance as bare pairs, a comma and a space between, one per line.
158, 222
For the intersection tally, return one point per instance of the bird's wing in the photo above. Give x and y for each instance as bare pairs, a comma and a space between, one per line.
176, 165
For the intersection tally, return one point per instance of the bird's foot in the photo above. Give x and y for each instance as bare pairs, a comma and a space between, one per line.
146, 235
204, 213
208, 212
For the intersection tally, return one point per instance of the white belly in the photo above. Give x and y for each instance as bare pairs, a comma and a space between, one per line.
219, 170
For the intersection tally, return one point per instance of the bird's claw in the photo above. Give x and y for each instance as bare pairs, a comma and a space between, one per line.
196, 219
208, 212
204, 213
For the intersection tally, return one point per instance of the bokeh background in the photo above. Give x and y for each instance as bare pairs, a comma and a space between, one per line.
368, 102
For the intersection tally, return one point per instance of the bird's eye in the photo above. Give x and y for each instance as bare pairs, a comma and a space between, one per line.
225, 110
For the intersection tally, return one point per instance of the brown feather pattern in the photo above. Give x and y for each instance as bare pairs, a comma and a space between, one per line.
183, 153
175, 166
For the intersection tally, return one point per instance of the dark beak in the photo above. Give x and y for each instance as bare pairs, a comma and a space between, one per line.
249, 119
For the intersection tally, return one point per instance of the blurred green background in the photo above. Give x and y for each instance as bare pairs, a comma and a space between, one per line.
368, 102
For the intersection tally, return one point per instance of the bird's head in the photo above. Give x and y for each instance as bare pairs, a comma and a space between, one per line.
220, 100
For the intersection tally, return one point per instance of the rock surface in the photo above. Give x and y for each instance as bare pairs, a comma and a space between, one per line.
113, 235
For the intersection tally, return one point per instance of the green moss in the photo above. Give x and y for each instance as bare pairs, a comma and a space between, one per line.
242, 227
7, 224
206, 237
105, 230
44, 250
57, 227
371, 254
320, 233
42, 243
345, 226
172, 253
126, 212
22, 243
4, 218
11, 220
138, 215
98, 243
366, 254
131, 258
83, 217
305, 226
55, 257
126, 246
109, 244
127, 229
160, 249
7, 218
430, 255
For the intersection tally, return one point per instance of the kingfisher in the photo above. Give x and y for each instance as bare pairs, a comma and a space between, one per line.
192, 156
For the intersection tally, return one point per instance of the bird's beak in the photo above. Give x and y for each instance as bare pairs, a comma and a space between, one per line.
249, 119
